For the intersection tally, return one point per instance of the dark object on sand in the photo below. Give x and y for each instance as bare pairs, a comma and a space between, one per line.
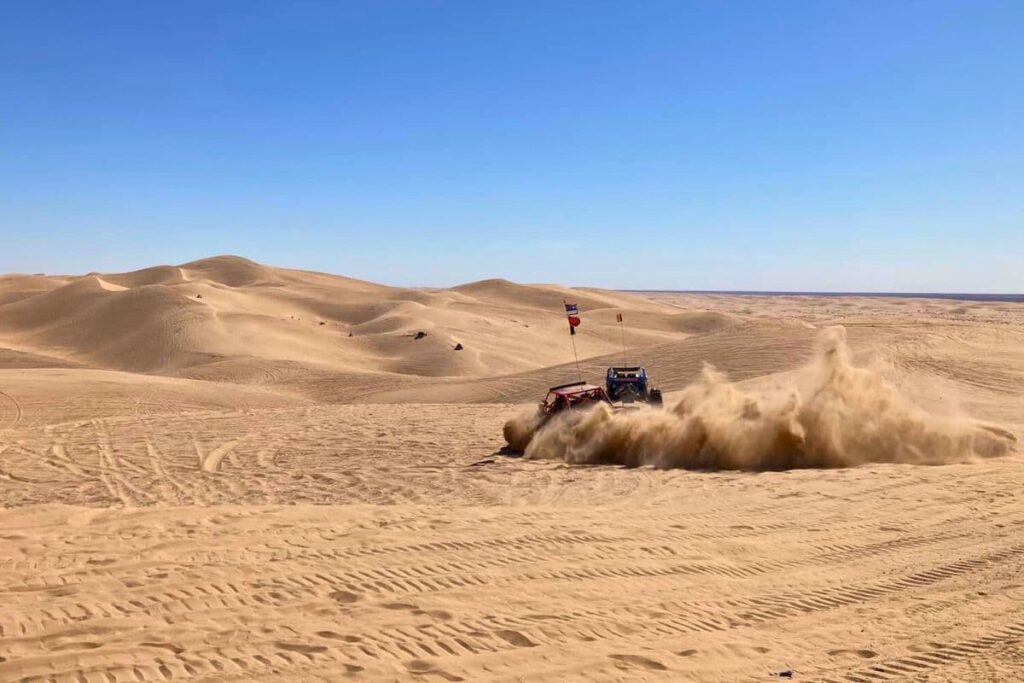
350, 334
199, 296
420, 335
458, 347
322, 322
783, 674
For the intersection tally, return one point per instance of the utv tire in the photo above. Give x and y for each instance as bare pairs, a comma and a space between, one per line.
655, 398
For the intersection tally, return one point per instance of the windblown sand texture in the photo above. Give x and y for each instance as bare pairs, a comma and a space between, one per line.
226, 471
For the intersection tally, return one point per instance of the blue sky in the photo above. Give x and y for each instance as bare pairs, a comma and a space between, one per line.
783, 145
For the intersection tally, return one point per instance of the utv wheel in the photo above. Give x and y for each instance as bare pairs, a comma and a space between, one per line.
655, 398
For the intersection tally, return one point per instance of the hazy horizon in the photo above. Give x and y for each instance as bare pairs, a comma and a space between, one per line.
1007, 296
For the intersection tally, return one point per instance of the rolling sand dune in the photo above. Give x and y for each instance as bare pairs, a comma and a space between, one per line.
205, 477
176, 320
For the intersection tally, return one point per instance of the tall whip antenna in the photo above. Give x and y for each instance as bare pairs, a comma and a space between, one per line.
573, 314
579, 373
622, 329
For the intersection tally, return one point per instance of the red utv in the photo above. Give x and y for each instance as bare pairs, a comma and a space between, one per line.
572, 396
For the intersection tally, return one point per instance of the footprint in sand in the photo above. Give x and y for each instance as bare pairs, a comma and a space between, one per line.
331, 635
77, 646
399, 605
176, 649
301, 648
863, 654
433, 613
418, 666
344, 597
515, 638
643, 662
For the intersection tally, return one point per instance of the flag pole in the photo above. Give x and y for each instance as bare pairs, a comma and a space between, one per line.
622, 329
579, 373
572, 338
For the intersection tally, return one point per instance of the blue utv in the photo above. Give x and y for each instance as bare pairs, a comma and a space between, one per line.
629, 385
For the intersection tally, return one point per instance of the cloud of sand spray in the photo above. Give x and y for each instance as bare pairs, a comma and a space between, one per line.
831, 415
520, 430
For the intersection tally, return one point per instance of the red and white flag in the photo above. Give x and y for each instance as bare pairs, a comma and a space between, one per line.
572, 312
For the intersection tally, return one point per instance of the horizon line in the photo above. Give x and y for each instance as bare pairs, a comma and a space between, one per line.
1007, 297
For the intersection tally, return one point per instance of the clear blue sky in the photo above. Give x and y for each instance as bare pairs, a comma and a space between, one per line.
784, 144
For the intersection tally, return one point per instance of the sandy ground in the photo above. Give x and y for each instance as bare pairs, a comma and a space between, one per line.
222, 488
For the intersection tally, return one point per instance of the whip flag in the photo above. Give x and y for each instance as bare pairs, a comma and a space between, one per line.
572, 312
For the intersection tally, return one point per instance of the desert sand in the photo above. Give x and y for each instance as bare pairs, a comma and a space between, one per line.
228, 471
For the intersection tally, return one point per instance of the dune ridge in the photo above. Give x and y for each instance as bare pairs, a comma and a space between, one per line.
174, 320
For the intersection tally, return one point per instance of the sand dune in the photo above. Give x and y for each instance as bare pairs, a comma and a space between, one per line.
172, 320
201, 481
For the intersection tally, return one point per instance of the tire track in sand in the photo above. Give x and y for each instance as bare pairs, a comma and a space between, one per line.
936, 656
211, 461
10, 411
